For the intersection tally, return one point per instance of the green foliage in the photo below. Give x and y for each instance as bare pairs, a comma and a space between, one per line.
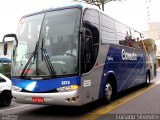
5, 69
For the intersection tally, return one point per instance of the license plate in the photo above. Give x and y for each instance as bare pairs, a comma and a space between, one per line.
38, 99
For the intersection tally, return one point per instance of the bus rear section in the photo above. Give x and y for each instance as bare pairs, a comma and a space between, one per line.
122, 59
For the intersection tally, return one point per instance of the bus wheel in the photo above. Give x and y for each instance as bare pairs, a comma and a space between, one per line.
147, 79
108, 95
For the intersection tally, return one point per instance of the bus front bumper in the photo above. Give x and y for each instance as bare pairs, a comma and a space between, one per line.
72, 98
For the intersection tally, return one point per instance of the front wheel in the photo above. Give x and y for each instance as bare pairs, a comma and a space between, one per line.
108, 92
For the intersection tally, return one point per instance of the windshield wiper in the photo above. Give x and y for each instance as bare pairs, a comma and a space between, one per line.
46, 58
48, 62
34, 53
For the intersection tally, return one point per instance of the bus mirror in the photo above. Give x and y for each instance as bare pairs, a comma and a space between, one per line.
5, 48
11, 36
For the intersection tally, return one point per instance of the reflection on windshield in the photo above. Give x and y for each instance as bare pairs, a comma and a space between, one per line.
48, 62
27, 34
57, 51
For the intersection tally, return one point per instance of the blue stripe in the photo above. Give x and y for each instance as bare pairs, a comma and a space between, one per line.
130, 75
45, 85
128, 72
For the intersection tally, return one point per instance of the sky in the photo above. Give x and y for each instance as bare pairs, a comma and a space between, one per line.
130, 12
135, 12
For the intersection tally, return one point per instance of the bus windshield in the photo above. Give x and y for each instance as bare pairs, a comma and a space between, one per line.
47, 44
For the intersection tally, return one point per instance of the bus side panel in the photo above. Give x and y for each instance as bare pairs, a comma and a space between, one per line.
135, 70
91, 81
128, 73
112, 63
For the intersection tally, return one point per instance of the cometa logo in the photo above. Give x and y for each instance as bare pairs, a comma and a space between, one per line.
128, 56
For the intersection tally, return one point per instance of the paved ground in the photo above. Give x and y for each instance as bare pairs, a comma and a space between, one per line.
143, 106
140, 100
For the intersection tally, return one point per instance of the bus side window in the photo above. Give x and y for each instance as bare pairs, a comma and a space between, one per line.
90, 52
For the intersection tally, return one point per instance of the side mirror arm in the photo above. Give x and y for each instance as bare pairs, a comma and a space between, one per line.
11, 35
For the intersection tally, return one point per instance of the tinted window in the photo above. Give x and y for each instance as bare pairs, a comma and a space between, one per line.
123, 33
108, 29
135, 41
128, 37
92, 17
90, 52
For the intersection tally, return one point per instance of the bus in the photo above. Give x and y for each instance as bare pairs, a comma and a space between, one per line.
76, 54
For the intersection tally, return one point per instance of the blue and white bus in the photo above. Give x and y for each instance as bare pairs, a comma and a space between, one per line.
74, 55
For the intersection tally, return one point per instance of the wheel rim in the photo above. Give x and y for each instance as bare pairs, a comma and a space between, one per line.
108, 91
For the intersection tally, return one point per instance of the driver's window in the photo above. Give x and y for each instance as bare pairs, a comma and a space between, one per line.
90, 45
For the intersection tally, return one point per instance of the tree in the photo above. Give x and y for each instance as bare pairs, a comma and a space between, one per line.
99, 3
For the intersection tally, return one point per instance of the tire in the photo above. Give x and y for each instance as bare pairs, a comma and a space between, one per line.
147, 79
5, 99
108, 92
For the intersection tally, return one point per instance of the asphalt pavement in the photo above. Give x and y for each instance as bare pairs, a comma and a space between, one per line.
147, 102
144, 107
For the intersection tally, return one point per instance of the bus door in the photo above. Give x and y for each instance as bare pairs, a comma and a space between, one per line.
91, 73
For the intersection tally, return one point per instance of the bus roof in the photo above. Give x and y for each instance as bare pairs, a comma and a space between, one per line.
71, 5
78, 5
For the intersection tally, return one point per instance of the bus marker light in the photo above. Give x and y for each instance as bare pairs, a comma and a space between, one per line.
67, 88
97, 64
74, 87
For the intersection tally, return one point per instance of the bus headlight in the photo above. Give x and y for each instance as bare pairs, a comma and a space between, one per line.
16, 88
67, 88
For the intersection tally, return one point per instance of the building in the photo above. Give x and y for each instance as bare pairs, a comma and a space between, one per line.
5, 60
154, 32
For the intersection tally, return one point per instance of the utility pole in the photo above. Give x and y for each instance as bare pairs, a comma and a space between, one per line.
148, 2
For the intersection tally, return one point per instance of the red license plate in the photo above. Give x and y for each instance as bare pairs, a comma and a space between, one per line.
38, 99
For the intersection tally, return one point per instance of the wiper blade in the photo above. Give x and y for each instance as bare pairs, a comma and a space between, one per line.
48, 62
24, 70
34, 53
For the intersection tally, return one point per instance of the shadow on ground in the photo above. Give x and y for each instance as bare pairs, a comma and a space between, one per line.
67, 112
